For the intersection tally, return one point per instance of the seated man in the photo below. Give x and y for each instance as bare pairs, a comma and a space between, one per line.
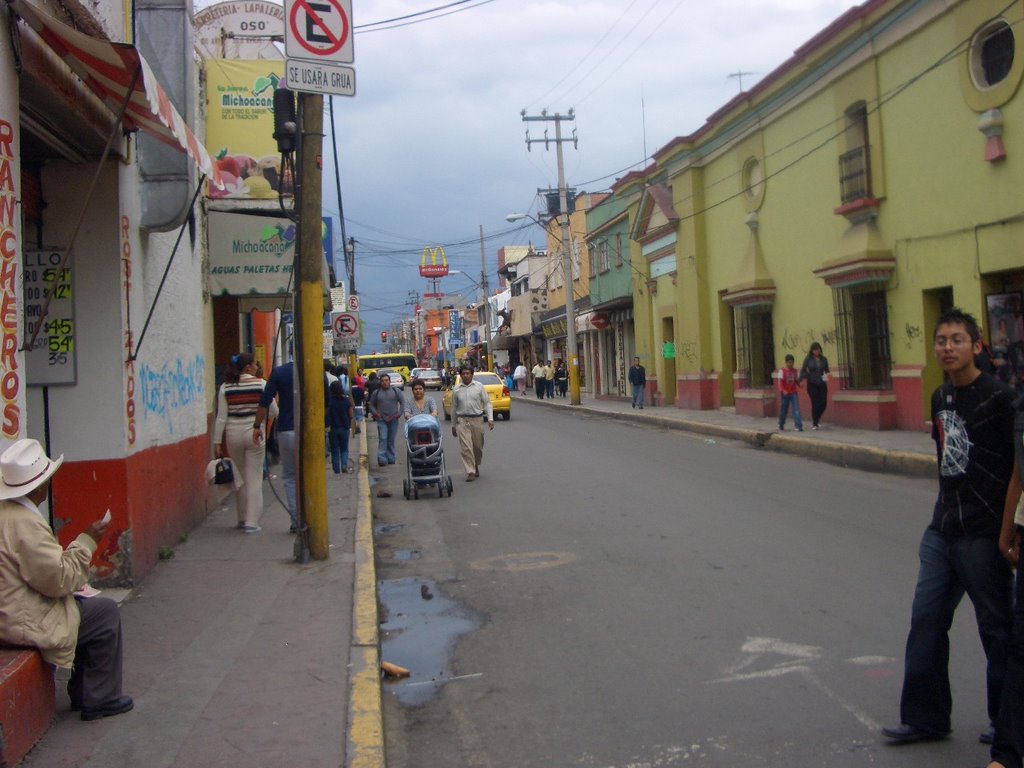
38, 579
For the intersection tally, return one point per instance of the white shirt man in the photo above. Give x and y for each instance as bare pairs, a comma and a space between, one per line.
470, 407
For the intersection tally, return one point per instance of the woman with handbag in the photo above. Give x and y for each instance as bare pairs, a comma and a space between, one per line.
237, 400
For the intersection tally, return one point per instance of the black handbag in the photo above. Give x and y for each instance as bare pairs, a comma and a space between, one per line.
224, 472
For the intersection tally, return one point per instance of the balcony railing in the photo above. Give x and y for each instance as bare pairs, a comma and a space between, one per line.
854, 175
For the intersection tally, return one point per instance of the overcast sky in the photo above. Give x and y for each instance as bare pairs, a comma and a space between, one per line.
432, 145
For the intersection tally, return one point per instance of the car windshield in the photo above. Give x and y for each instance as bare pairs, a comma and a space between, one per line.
487, 379
429, 373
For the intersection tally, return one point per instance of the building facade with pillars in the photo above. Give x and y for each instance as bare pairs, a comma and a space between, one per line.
117, 380
850, 196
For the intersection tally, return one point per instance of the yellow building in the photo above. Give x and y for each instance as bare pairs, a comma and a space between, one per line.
859, 189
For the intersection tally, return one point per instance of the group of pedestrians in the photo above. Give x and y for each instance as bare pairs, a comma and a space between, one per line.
549, 379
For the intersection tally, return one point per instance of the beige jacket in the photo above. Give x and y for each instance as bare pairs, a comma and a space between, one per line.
37, 579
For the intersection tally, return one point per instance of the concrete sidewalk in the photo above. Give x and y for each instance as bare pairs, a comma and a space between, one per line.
895, 451
236, 655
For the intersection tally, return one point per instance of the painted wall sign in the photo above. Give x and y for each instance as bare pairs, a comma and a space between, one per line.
53, 359
11, 360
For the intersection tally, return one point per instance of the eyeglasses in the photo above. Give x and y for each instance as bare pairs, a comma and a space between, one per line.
953, 341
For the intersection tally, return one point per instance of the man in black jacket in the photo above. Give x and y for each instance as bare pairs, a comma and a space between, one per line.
638, 378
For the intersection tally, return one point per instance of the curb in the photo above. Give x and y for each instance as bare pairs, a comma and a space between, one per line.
364, 740
863, 457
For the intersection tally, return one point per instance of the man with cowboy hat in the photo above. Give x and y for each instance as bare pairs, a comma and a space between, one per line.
38, 581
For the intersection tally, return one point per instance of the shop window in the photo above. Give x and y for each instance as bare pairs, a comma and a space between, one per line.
862, 331
755, 345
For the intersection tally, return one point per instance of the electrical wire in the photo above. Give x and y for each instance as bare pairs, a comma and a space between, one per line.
396, 22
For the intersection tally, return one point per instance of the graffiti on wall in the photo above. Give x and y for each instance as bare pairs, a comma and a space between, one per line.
913, 335
10, 284
800, 341
129, 347
173, 386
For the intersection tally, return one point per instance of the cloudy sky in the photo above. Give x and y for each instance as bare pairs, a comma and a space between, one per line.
432, 145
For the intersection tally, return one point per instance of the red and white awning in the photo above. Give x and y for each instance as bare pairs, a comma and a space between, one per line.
109, 70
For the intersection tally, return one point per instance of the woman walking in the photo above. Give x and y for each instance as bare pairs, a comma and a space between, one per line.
815, 372
237, 400
519, 377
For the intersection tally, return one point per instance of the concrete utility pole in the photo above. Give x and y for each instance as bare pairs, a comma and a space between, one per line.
312, 478
570, 298
488, 363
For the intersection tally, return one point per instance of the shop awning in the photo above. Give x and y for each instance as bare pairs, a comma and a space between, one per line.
110, 70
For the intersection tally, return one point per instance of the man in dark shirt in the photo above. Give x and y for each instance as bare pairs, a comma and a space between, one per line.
282, 384
972, 421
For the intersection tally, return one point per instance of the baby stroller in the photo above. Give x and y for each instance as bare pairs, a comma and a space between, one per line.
424, 465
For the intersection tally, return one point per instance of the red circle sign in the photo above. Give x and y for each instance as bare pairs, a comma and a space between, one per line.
316, 35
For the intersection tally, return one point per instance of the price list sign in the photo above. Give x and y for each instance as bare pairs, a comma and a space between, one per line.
52, 359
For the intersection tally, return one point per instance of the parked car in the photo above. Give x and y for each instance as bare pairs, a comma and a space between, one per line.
501, 400
430, 377
396, 378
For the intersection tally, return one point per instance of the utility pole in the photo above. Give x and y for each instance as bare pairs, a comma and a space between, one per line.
570, 298
487, 363
312, 479
350, 270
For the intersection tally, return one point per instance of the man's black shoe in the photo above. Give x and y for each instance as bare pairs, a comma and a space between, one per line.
908, 734
987, 737
115, 707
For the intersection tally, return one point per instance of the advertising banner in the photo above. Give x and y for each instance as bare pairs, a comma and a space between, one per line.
240, 128
252, 255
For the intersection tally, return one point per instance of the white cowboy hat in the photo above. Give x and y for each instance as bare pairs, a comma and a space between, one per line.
24, 466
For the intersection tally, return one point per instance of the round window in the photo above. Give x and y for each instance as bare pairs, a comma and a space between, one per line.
991, 54
753, 178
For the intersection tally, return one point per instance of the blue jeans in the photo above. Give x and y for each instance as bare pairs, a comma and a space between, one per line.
387, 431
784, 409
286, 445
1008, 748
948, 569
638, 395
339, 448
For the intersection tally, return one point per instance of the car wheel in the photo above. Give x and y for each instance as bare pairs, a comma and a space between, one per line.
447, 416
506, 415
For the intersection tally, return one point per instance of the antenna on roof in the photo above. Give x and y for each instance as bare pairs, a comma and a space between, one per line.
739, 76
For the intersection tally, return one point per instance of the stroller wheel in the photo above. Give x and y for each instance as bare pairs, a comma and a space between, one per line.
405, 487
449, 486
415, 491
440, 490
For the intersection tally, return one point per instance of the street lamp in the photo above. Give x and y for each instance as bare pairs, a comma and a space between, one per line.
570, 297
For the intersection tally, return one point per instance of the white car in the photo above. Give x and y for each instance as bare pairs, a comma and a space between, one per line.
395, 376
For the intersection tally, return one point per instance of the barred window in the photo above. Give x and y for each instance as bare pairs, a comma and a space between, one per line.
862, 331
755, 345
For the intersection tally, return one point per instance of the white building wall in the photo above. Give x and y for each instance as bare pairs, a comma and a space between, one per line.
86, 419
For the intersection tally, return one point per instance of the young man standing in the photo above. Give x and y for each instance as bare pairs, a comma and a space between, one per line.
972, 421
638, 379
539, 380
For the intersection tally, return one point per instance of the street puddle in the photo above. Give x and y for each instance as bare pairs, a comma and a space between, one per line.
419, 632
383, 529
407, 554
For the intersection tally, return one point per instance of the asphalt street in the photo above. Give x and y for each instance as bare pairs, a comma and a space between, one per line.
613, 595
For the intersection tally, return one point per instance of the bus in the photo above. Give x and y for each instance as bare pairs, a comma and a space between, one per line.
403, 362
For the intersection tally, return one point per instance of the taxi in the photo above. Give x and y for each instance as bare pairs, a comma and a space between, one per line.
501, 400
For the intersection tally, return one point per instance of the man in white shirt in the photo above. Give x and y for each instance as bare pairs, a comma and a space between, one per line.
470, 407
